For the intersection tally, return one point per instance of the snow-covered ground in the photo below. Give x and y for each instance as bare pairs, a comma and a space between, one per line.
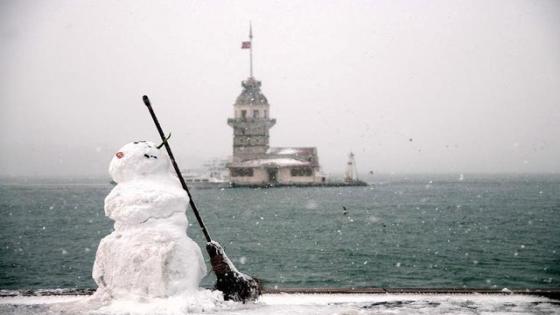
293, 304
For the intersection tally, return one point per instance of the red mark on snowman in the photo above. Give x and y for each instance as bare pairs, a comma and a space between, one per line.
119, 155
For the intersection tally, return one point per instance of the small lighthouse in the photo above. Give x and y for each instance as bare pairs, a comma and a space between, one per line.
351, 173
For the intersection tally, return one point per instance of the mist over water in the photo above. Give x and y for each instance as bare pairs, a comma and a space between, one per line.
410, 87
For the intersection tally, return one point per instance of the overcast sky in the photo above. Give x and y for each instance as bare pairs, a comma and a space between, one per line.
409, 86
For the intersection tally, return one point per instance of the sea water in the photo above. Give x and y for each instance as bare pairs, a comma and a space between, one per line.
402, 231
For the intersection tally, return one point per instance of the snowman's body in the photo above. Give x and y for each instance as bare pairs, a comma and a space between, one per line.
149, 253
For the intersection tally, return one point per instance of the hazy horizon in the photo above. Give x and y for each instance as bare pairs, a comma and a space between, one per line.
444, 87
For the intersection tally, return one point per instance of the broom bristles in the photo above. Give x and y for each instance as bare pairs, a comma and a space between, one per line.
235, 285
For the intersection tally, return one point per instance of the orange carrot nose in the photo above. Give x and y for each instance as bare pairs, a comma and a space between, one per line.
119, 155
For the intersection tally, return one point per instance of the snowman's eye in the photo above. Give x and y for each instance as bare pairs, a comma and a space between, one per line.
146, 156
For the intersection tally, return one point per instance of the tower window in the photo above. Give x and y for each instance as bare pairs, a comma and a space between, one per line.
255, 114
243, 114
265, 113
301, 171
241, 172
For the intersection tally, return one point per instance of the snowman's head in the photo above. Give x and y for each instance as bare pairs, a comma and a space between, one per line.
138, 159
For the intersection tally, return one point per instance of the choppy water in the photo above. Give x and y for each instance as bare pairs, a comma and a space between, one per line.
418, 231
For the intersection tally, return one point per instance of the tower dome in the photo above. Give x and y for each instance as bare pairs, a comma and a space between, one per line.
251, 94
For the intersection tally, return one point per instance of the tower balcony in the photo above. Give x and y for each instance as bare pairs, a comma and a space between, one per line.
244, 122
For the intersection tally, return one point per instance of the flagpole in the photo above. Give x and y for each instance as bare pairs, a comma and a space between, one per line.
251, 49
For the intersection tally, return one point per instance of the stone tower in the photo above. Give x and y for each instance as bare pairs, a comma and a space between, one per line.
251, 122
254, 162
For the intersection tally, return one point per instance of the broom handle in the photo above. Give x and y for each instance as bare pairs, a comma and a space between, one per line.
181, 179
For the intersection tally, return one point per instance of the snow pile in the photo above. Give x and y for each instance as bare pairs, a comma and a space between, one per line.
148, 256
277, 162
295, 304
287, 151
197, 302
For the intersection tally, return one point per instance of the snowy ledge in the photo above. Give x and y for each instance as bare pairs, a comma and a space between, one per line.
553, 293
428, 302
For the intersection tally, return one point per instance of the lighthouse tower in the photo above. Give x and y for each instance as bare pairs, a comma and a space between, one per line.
251, 122
254, 162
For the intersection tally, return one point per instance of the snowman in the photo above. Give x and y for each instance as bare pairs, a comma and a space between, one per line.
148, 255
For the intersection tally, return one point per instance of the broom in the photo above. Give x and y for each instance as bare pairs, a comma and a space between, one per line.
236, 286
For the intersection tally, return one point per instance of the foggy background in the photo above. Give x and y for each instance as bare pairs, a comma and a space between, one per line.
409, 86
